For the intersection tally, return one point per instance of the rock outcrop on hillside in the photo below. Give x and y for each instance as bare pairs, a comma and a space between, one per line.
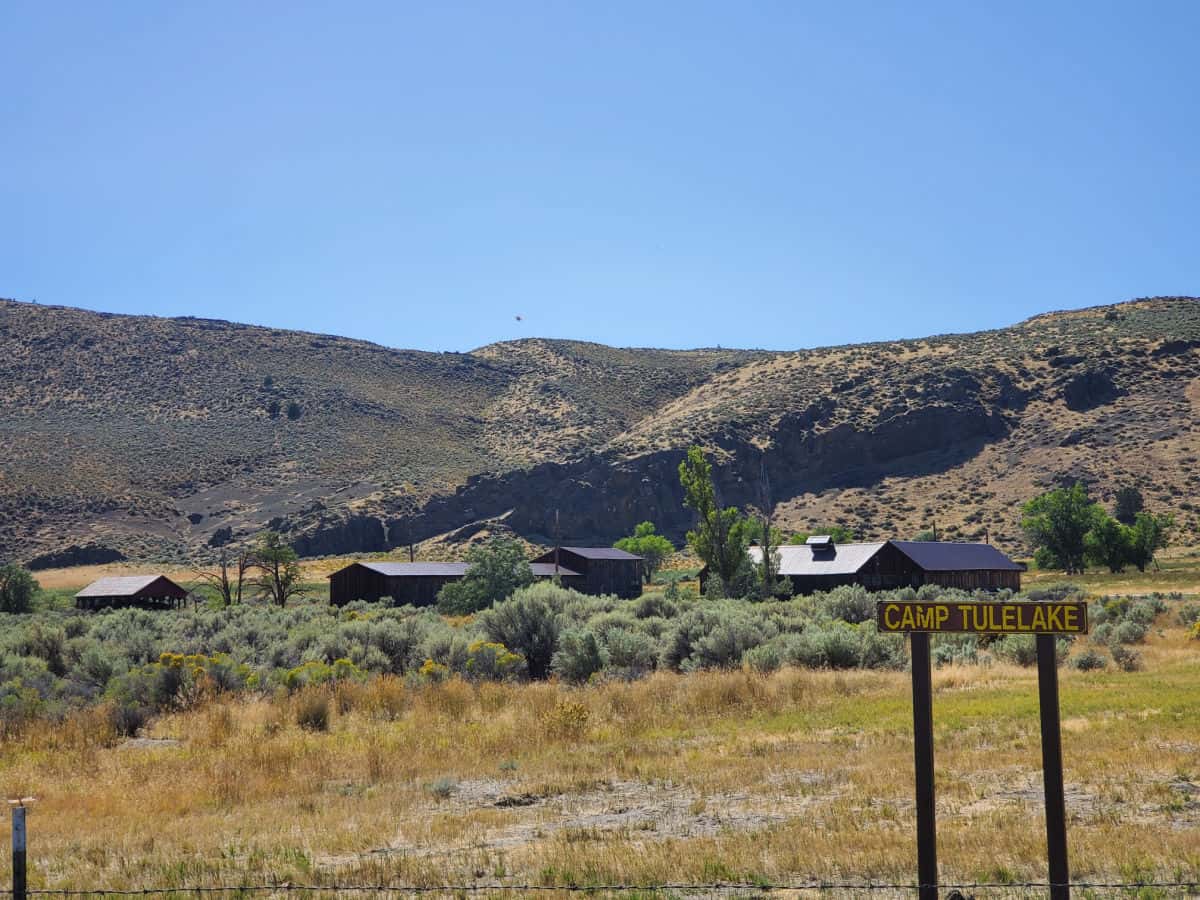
167, 438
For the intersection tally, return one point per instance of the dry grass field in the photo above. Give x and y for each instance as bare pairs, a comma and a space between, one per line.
720, 776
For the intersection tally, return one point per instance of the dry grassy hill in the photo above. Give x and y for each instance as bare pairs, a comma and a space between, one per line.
153, 437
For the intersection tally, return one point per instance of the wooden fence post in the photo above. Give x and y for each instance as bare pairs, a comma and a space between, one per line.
18, 852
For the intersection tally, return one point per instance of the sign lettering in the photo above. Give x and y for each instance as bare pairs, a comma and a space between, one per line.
982, 618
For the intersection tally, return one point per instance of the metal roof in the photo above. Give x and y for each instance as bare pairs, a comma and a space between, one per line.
416, 569
597, 553
445, 569
947, 556
837, 559
124, 585
546, 570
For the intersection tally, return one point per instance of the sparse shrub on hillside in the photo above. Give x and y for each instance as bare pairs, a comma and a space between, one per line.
1189, 614
294, 411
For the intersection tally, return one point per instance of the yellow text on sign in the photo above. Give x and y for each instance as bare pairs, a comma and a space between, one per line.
984, 618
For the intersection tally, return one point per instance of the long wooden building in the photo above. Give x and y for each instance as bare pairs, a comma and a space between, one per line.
820, 565
143, 591
416, 583
605, 570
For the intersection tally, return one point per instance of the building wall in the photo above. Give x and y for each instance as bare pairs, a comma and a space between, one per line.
360, 583
136, 601
621, 577
976, 579
421, 590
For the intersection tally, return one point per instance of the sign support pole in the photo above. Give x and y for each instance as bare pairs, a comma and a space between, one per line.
18, 853
922, 686
1052, 769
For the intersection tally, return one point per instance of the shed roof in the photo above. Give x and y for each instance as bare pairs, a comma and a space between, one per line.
805, 559
598, 553
129, 586
948, 556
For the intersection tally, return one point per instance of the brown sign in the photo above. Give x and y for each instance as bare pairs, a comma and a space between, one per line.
983, 618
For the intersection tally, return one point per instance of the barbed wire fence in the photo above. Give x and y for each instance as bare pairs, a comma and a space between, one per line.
1142, 890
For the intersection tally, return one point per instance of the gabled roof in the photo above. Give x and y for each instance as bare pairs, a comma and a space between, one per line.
444, 569
416, 569
805, 559
128, 586
947, 556
597, 553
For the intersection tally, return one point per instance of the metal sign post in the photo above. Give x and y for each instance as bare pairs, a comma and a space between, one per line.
1045, 620
922, 692
1052, 769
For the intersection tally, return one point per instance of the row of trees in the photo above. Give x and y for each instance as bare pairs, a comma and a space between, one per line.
269, 566
1070, 531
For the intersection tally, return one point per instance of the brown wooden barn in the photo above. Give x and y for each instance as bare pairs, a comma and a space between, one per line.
416, 583
606, 570
144, 591
820, 565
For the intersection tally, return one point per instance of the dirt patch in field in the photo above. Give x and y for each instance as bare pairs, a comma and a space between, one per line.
517, 816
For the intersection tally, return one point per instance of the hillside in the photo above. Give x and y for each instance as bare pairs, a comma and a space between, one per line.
155, 438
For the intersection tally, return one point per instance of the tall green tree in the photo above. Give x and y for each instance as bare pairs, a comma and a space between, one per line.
497, 569
1148, 534
17, 589
1129, 503
1109, 543
278, 568
721, 535
652, 547
1058, 522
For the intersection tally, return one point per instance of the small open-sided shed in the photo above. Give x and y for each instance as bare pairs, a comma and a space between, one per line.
605, 570
415, 583
144, 591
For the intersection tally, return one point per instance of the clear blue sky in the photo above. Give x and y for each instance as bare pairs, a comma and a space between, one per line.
637, 173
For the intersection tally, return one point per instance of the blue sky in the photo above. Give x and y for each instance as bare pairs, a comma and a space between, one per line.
637, 173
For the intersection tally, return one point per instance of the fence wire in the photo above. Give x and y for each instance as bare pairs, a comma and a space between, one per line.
689, 890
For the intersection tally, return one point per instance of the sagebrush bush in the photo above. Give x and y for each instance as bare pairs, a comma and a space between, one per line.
139, 663
579, 656
312, 710
1087, 661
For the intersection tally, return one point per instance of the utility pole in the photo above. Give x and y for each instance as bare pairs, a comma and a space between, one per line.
557, 541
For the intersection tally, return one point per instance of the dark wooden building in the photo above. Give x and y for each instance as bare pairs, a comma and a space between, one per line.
143, 591
605, 570
416, 583
820, 565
